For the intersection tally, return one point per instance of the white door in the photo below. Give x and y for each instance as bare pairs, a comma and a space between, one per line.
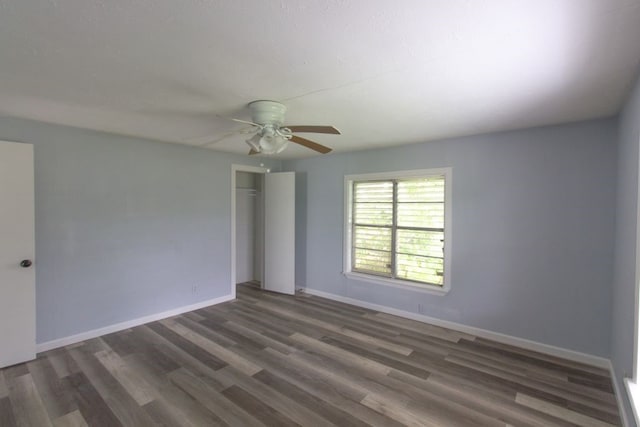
279, 232
17, 275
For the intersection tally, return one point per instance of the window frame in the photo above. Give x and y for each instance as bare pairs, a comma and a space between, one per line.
447, 172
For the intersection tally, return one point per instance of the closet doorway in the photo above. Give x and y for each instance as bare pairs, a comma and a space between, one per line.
263, 229
249, 227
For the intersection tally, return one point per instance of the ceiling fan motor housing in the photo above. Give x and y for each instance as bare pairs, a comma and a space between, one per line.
267, 112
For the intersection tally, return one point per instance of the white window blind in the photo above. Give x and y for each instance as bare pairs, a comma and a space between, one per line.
398, 228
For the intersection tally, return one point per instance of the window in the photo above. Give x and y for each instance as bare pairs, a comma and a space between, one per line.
397, 228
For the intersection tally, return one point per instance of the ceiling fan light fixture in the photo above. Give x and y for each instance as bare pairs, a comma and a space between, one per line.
254, 142
273, 144
272, 136
269, 143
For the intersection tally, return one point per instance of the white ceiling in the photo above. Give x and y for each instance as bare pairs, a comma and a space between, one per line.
383, 72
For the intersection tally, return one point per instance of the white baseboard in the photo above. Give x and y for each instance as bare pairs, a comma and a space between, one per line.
72, 339
564, 353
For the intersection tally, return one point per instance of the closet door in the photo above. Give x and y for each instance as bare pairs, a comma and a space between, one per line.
279, 236
17, 248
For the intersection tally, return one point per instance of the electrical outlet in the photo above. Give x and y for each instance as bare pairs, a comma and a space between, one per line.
194, 289
421, 308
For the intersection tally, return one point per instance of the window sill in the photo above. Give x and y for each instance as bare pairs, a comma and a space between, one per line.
398, 284
633, 390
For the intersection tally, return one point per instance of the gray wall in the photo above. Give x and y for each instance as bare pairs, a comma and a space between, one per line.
533, 227
622, 331
124, 227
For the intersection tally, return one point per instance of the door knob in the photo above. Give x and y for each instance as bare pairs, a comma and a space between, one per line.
25, 263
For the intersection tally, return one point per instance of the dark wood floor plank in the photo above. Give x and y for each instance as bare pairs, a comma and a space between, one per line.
406, 365
217, 403
592, 381
209, 331
318, 406
495, 406
566, 414
271, 359
522, 357
193, 316
537, 375
15, 371
216, 313
114, 394
92, 406
493, 381
353, 360
55, 392
4, 392
541, 388
432, 346
274, 399
264, 340
271, 324
62, 362
299, 373
128, 378
606, 416
7, 419
213, 348
163, 415
27, 405
343, 398
407, 326
72, 419
385, 393
346, 372
484, 383
514, 366
156, 352
186, 345
121, 342
180, 357
276, 322
265, 413
335, 305
309, 307
540, 358
233, 336
317, 323
173, 400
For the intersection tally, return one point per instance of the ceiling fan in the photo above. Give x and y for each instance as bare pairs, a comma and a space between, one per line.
272, 136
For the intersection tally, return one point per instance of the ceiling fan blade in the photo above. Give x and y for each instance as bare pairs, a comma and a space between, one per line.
239, 121
247, 122
215, 141
222, 137
310, 144
252, 152
314, 129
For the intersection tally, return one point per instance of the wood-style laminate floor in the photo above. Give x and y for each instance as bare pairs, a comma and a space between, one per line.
268, 359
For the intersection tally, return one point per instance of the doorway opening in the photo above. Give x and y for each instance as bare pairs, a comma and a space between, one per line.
262, 229
249, 228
